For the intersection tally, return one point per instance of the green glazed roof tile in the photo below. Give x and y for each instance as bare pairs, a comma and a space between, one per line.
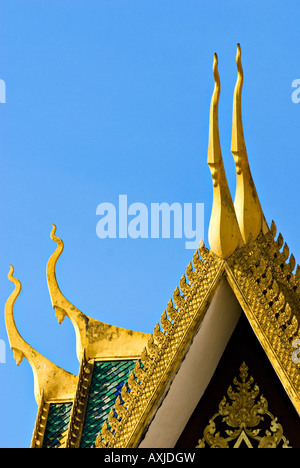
107, 382
57, 424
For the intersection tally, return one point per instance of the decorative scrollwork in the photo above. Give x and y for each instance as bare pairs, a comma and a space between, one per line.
152, 348
126, 395
178, 299
190, 273
139, 372
133, 383
146, 360
107, 435
243, 419
172, 312
158, 335
184, 286
119, 408
165, 323
197, 262
113, 420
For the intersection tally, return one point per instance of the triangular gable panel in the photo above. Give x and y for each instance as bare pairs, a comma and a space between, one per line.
244, 405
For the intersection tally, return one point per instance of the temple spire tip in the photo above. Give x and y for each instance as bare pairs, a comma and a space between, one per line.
224, 236
247, 206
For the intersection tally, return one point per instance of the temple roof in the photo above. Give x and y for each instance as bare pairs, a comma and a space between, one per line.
245, 257
130, 384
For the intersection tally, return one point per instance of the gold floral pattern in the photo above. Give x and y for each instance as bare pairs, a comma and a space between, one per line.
243, 419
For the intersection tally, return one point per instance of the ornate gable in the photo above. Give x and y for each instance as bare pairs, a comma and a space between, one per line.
263, 278
243, 419
133, 385
263, 281
243, 249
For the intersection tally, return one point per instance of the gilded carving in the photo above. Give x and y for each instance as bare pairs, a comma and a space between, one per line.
243, 419
169, 339
268, 289
97, 339
51, 381
40, 424
77, 416
266, 281
257, 275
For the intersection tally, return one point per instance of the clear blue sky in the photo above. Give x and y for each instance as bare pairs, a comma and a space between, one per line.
112, 97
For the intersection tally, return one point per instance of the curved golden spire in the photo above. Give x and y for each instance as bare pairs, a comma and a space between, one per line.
54, 382
95, 339
223, 235
60, 304
238, 140
247, 206
214, 146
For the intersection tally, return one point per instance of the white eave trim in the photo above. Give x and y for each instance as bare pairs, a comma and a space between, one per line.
195, 371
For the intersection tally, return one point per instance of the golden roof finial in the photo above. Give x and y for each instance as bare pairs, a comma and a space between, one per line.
49, 379
247, 206
60, 304
94, 338
223, 235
